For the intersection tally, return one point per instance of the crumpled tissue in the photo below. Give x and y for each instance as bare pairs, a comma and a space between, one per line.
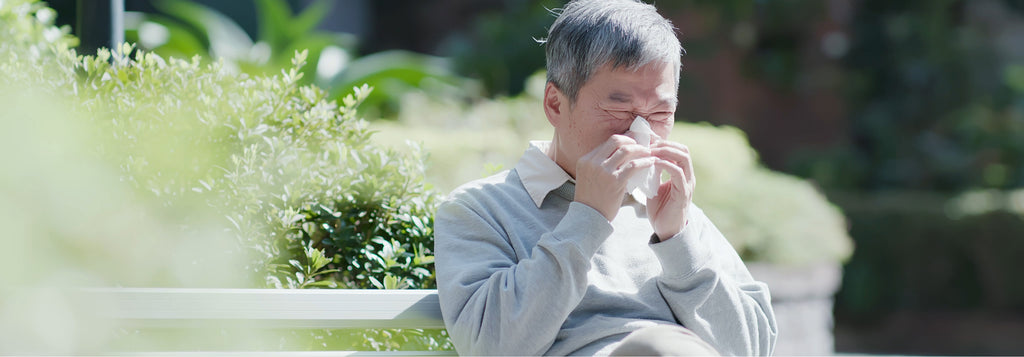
648, 180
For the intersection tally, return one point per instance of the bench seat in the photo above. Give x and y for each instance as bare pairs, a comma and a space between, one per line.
184, 308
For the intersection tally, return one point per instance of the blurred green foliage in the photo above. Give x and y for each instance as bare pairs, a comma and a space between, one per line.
291, 177
934, 88
501, 49
768, 216
184, 29
953, 252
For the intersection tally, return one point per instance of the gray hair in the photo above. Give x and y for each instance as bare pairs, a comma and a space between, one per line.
591, 33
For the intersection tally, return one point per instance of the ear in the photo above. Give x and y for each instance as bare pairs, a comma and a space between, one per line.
555, 104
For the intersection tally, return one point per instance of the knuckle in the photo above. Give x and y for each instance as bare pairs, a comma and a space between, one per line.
675, 145
622, 139
631, 149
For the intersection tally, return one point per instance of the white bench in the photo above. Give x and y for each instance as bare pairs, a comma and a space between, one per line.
267, 308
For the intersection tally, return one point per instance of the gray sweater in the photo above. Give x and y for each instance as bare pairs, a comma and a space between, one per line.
559, 279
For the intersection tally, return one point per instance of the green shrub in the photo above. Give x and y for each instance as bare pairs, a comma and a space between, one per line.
291, 172
291, 176
468, 141
768, 216
929, 251
294, 175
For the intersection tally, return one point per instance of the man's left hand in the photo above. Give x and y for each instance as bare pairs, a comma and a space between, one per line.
667, 211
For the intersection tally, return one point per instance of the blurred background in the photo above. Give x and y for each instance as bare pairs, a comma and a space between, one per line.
890, 132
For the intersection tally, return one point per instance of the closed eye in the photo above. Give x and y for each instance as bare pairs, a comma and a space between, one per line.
661, 117
621, 114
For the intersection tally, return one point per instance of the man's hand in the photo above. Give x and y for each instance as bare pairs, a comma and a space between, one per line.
667, 211
601, 174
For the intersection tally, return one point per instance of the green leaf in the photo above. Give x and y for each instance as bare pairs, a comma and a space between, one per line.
273, 21
423, 260
391, 282
376, 283
406, 66
393, 73
326, 271
303, 24
1014, 77
417, 222
316, 258
225, 37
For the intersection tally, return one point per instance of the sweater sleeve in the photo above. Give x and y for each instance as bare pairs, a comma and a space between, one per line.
497, 303
710, 291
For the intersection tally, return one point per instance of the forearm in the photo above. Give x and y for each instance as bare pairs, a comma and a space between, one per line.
711, 293
736, 318
496, 302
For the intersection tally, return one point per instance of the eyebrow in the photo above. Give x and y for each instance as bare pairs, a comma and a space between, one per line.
620, 97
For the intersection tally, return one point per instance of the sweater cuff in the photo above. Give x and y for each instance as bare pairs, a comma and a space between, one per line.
684, 253
583, 226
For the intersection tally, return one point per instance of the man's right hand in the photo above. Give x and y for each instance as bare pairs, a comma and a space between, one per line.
602, 174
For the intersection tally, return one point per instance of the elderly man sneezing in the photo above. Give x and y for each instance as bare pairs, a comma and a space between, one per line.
563, 255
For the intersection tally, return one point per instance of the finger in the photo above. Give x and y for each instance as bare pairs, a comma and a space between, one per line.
674, 154
630, 134
685, 169
671, 144
609, 146
678, 154
626, 153
631, 167
677, 175
685, 161
655, 138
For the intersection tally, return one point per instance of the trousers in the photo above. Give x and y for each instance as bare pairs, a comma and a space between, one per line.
663, 340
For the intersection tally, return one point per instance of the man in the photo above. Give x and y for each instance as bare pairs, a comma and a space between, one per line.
556, 257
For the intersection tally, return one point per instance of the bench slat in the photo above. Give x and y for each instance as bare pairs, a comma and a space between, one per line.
268, 308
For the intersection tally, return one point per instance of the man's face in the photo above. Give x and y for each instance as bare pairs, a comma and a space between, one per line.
607, 105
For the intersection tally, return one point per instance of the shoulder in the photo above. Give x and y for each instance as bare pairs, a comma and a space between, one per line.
503, 186
480, 209
496, 201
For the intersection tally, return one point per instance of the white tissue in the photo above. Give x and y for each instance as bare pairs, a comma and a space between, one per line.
648, 180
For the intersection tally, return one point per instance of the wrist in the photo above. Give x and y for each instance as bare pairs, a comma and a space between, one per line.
661, 236
600, 204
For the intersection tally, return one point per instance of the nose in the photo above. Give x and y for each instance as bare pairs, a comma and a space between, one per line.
639, 129
628, 124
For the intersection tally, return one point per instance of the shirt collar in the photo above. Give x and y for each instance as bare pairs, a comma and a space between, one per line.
540, 174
